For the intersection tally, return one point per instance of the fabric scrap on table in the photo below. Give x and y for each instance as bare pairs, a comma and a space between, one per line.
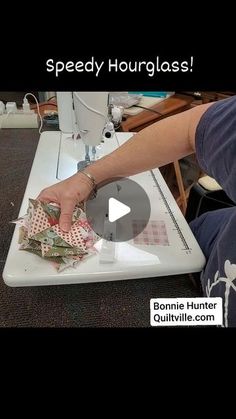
39, 233
154, 233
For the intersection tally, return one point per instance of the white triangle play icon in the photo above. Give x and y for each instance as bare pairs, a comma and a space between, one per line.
116, 210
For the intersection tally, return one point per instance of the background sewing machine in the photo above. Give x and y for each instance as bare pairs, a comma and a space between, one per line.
59, 155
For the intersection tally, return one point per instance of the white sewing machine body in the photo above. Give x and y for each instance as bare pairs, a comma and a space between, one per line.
56, 158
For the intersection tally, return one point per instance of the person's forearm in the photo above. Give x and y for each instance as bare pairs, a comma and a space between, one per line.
163, 142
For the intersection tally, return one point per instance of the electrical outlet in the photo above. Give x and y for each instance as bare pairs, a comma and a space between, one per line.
19, 120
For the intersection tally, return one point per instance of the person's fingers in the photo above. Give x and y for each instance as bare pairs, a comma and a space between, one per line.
67, 208
44, 196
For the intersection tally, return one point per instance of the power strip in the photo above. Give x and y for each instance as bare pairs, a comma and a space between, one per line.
19, 120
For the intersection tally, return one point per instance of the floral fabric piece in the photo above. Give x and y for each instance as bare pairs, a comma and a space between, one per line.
39, 233
74, 237
38, 222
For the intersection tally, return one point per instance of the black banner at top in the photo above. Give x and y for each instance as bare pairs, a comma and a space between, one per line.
158, 69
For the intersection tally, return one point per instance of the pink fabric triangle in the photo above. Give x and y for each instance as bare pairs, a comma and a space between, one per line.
74, 237
39, 222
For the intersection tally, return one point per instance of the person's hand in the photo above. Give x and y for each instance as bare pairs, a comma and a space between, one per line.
67, 194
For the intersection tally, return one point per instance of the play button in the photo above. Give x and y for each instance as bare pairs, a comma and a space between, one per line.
120, 211
117, 210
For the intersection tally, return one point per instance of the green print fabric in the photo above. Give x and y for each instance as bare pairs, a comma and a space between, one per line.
39, 233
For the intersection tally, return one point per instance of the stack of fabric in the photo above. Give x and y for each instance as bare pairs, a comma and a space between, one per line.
39, 233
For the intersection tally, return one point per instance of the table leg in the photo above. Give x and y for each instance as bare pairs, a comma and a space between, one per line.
183, 199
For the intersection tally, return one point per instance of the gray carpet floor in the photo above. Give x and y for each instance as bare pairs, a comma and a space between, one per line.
108, 304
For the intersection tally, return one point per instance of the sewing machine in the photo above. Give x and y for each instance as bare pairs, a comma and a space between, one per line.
59, 155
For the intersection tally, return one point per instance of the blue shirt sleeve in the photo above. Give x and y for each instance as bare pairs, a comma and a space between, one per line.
215, 230
216, 144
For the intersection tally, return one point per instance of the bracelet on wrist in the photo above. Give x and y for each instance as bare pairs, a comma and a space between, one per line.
93, 182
